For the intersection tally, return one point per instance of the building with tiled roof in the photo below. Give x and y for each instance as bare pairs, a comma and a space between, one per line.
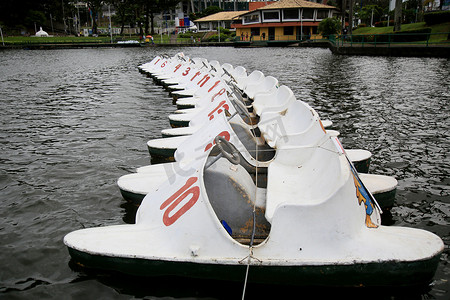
222, 19
284, 20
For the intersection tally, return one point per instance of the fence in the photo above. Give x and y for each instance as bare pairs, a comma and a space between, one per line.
391, 39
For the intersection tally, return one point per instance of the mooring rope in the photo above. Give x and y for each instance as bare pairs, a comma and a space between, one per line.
252, 239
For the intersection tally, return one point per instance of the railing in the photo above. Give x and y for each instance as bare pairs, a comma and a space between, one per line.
391, 39
269, 38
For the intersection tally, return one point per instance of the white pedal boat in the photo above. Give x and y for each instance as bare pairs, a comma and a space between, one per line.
135, 186
163, 149
315, 225
191, 91
179, 79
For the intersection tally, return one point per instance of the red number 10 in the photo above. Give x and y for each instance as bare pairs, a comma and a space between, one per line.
172, 202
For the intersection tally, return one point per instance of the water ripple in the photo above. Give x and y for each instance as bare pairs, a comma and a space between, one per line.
73, 121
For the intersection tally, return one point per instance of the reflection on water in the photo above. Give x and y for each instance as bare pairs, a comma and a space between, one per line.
74, 121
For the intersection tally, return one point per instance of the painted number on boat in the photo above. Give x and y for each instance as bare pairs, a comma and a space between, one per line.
219, 109
224, 134
219, 93
186, 71
172, 203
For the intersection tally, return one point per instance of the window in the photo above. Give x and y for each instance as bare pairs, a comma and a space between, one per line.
203, 26
254, 31
253, 18
271, 15
288, 30
322, 14
291, 14
308, 14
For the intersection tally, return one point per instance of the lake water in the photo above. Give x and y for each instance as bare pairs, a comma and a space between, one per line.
74, 121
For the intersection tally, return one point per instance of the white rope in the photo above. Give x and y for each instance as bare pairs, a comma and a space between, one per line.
250, 248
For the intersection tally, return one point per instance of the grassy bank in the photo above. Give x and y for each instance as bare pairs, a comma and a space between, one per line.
23, 40
443, 28
30, 40
187, 38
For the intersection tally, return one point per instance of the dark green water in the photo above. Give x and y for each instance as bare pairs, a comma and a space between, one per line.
74, 121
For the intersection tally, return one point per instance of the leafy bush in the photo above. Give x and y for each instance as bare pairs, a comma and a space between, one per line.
225, 36
437, 17
215, 38
224, 30
384, 23
188, 34
329, 26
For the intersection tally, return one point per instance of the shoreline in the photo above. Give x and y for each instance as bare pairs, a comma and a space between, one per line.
438, 51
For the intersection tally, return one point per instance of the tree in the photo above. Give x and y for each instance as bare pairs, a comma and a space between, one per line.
157, 6
94, 7
329, 26
398, 15
370, 13
206, 12
350, 16
343, 12
35, 18
149, 9
124, 12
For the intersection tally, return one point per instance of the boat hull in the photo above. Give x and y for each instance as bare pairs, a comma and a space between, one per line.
386, 199
161, 154
362, 166
383, 274
179, 123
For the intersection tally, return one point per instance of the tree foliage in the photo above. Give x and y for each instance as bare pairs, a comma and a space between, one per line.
206, 12
24, 13
329, 26
152, 7
35, 18
95, 8
365, 14
21, 12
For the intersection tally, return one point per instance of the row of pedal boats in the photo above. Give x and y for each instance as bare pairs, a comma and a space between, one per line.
250, 178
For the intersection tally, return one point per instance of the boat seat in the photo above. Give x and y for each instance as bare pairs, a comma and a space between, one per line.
228, 67
215, 68
303, 176
278, 100
239, 75
254, 76
265, 85
251, 143
298, 125
232, 194
229, 70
